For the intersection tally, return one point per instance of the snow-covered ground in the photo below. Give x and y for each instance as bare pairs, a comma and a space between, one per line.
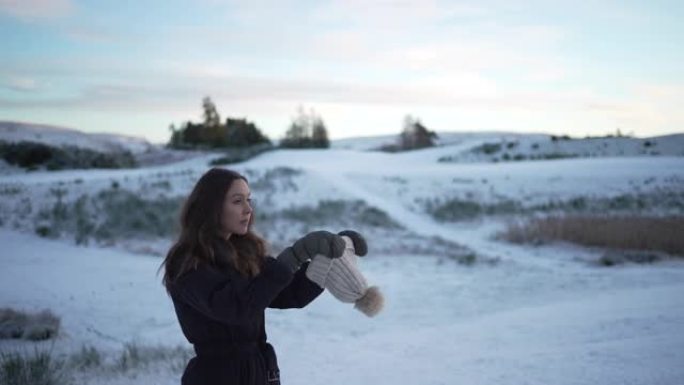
541, 315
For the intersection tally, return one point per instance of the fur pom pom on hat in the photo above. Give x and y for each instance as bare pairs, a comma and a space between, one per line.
371, 303
344, 280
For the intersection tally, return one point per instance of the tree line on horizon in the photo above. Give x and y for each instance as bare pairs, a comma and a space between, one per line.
307, 130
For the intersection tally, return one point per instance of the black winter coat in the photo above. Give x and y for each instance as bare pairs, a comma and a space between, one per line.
221, 312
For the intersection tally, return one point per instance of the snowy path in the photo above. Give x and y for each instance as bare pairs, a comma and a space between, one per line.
476, 236
417, 223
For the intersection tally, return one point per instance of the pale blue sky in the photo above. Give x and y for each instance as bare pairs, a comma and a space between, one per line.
134, 67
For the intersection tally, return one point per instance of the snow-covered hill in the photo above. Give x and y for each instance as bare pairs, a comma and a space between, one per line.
516, 314
514, 147
485, 146
508, 146
59, 136
145, 153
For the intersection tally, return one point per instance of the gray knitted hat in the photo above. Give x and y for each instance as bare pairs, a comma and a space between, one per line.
344, 281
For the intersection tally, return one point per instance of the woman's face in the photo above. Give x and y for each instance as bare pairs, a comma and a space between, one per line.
237, 209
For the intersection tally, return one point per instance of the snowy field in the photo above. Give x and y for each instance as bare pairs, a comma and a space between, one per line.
518, 315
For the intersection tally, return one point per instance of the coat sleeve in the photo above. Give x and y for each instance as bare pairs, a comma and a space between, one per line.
229, 298
300, 292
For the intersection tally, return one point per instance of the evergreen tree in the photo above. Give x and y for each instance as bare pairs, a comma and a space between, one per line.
306, 131
176, 137
415, 135
192, 133
209, 113
241, 133
319, 135
211, 133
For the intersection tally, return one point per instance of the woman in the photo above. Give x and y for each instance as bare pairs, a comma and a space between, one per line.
221, 280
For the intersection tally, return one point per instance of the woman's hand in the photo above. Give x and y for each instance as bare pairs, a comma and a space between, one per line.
360, 246
320, 267
315, 243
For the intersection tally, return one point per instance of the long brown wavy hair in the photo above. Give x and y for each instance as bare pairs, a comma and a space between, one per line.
201, 241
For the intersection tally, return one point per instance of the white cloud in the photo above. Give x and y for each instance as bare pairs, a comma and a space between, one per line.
93, 34
394, 14
22, 84
36, 9
423, 37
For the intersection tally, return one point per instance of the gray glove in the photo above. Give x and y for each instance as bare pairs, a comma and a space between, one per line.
317, 242
320, 268
360, 246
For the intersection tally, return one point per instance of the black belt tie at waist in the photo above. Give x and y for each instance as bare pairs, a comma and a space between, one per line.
226, 349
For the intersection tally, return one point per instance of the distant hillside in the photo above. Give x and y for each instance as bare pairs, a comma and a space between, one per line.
145, 153
537, 147
508, 146
485, 146
369, 143
14, 132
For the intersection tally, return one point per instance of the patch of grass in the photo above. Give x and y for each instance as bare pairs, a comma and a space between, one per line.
404, 242
642, 204
179, 357
487, 148
30, 326
468, 259
162, 185
127, 214
44, 368
89, 357
355, 212
618, 257
270, 180
634, 233
112, 214
502, 207
457, 209
454, 210
130, 357
136, 356
45, 231
11, 190
37, 369
554, 155
375, 217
